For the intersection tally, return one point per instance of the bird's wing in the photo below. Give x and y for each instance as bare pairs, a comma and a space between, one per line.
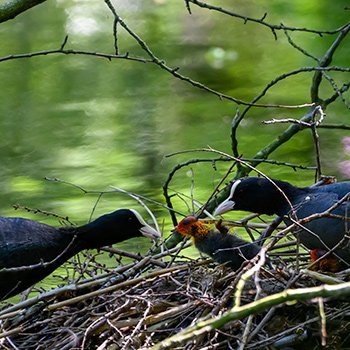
325, 229
26, 242
339, 188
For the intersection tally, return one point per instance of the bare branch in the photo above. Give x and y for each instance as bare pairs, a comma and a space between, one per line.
324, 62
261, 21
12, 8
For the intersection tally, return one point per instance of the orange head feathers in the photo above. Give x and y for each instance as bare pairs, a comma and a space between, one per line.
327, 264
191, 227
216, 242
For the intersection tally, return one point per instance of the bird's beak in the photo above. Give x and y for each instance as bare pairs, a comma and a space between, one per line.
228, 203
149, 232
146, 230
225, 206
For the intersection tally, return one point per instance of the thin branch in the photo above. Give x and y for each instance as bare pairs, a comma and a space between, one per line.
297, 47
115, 35
73, 52
338, 93
272, 27
335, 126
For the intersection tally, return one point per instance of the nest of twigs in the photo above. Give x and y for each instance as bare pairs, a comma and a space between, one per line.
139, 305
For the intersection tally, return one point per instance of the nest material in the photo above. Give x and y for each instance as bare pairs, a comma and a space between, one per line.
140, 304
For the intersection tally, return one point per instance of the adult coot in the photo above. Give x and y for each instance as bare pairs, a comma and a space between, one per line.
263, 196
30, 250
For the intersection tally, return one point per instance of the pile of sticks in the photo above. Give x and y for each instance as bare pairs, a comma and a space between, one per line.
143, 304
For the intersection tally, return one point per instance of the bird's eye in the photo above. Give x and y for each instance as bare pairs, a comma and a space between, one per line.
185, 222
188, 220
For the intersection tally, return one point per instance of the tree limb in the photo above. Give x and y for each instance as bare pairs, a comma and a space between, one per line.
12, 8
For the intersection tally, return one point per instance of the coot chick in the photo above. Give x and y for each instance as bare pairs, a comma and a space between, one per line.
321, 261
222, 247
262, 196
30, 250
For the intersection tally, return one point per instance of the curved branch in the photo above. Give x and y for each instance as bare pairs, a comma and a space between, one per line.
11, 9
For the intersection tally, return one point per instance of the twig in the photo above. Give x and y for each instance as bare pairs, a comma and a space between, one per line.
238, 312
261, 21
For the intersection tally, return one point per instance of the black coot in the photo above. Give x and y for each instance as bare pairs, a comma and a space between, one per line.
30, 250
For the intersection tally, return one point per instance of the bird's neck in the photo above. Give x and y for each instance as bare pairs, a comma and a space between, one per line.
276, 197
197, 231
92, 235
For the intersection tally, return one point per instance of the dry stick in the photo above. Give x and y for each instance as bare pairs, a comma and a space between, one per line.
262, 323
98, 280
93, 326
138, 325
323, 321
326, 279
287, 121
285, 339
161, 316
239, 312
255, 269
99, 197
121, 285
279, 163
132, 256
240, 286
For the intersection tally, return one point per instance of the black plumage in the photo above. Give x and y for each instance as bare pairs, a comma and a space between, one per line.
30, 250
260, 195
